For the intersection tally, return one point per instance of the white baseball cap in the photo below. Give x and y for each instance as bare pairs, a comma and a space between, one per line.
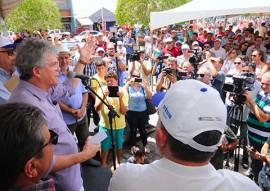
195, 43
185, 46
119, 43
6, 43
190, 108
168, 40
100, 49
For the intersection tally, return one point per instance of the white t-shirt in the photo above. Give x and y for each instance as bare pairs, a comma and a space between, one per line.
165, 175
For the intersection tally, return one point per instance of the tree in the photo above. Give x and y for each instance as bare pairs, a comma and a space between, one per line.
134, 11
33, 15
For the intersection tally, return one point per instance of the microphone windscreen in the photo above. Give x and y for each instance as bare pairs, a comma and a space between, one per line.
71, 74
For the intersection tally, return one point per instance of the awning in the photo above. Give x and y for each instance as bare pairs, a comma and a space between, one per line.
85, 21
6, 6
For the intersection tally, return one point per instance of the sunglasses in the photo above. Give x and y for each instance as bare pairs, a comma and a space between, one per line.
168, 42
100, 52
201, 75
10, 51
135, 76
53, 140
253, 55
245, 44
237, 63
206, 46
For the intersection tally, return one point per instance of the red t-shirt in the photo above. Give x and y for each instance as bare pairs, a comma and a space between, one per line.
175, 51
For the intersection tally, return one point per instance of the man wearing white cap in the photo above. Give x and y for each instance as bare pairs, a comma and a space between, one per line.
170, 48
7, 66
218, 50
69, 42
184, 57
121, 49
188, 133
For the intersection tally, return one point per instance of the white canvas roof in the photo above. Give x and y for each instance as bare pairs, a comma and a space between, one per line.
197, 9
6, 6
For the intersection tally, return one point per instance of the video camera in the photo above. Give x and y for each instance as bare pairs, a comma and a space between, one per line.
240, 83
136, 55
196, 58
161, 57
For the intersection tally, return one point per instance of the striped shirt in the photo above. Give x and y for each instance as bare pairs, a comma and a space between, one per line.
257, 130
90, 70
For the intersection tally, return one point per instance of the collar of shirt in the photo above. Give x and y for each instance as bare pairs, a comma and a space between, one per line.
41, 94
41, 186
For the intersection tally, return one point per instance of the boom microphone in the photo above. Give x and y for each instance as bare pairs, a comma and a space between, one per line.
72, 74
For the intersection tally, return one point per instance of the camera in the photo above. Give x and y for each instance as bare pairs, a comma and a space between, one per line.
162, 57
168, 70
240, 83
138, 80
182, 74
196, 58
136, 55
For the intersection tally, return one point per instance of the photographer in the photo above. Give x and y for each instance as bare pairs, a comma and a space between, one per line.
168, 76
120, 103
139, 63
218, 76
235, 121
259, 120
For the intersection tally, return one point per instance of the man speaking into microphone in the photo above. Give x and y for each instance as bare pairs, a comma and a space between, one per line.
38, 66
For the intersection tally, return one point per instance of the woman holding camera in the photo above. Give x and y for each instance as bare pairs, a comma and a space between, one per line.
136, 115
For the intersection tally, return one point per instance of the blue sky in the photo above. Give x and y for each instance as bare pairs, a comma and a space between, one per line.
87, 7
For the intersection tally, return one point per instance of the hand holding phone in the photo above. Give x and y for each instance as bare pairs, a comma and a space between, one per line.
251, 149
113, 91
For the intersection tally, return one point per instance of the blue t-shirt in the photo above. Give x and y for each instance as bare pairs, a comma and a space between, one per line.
136, 101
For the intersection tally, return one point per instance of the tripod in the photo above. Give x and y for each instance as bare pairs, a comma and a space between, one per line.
112, 114
235, 114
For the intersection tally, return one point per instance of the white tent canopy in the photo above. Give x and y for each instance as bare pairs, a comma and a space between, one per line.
197, 9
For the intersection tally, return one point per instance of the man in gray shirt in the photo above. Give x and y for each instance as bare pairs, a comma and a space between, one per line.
38, 66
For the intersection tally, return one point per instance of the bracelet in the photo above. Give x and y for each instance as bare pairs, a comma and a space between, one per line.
82, 62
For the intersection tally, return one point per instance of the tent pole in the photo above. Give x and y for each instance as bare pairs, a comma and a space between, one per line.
2, 24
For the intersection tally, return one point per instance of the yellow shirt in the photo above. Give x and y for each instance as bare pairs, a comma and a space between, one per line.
118, 123
95, 84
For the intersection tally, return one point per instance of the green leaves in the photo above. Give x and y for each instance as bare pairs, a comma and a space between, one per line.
33, 15
138, 11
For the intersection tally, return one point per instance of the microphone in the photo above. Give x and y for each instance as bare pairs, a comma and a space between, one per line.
72, 74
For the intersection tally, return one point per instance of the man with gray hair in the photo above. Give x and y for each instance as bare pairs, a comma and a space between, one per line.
38, 66
168, 76
192, 118
26, 148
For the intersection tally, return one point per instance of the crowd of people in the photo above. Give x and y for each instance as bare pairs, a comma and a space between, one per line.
213, 78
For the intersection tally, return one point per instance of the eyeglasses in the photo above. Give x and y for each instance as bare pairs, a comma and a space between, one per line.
53, 140
249, 64
201, 75
10, 51
253, 55
265, 84
237, 63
